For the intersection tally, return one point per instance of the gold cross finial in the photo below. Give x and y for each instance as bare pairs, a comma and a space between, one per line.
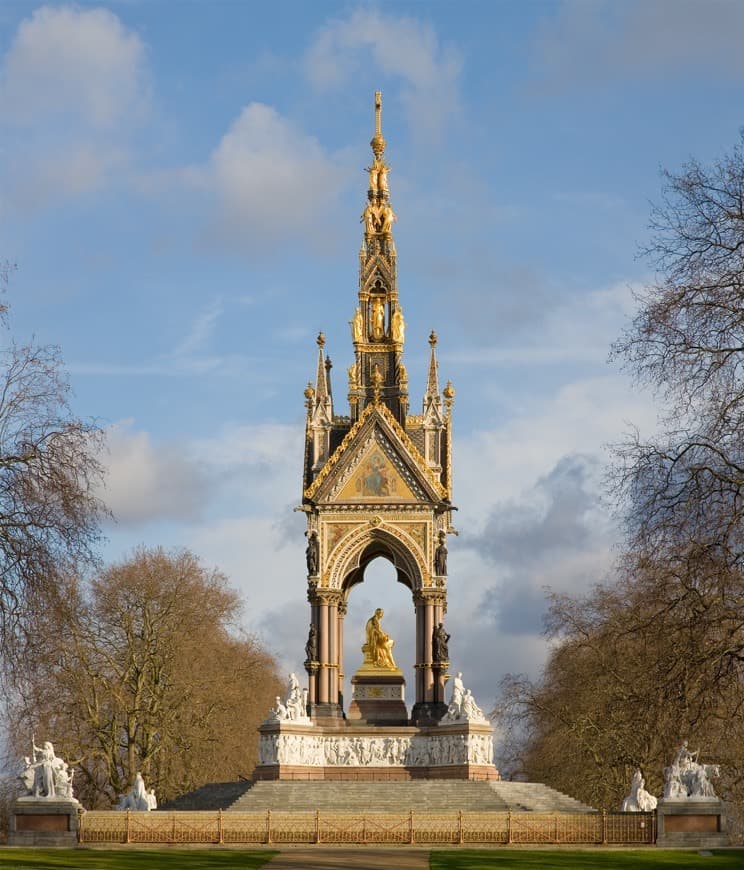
378, 142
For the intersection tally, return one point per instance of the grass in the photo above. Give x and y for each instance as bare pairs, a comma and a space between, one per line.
132, 859
528, 859
482, 859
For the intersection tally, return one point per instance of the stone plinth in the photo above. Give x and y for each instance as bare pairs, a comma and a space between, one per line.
44, 822
378, 698
359, 751
693, 822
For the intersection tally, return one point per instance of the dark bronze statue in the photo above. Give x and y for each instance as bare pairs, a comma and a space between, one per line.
439, 644
440, 557
311, 647
312, 553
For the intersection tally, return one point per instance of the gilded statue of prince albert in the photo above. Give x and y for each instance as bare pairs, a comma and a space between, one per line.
378, 650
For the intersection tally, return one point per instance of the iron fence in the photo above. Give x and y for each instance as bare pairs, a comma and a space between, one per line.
335, 828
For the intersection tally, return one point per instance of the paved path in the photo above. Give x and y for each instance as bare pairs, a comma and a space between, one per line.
359, 858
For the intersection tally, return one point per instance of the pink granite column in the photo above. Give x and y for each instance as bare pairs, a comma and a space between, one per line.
428, 673
324, 649
340, 642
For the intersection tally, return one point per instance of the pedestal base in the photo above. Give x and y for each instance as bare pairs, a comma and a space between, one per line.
378, 698
44, 822
692, 822
326, 713
428, 712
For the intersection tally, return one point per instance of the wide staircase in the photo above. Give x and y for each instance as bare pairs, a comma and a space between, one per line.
433, 796
214, 796
534, 797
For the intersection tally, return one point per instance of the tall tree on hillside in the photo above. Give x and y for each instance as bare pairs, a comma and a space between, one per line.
144, 670
49, 511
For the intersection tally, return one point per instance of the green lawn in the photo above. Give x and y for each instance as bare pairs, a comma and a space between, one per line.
132, 859
485, 859
506, 859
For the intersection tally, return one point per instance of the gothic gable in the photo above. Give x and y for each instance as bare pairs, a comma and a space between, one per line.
375, 464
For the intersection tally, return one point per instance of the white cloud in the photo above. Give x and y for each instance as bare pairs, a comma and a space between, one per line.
261, 466
581, 416
73, 85
147, 482
201, 331
401, 47
190, 356
587, 41
270, 181
68, 62
578, 328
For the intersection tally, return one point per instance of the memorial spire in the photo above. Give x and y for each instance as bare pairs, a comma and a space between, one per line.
378, 327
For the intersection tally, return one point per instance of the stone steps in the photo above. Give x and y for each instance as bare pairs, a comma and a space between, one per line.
214, 796
535, 797
421, 796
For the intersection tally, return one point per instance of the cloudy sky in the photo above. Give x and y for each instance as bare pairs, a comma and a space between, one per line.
181, 185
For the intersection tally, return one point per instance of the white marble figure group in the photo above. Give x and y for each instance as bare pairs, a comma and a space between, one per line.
417, 751
462, 707
685, 778
45, 775
138, 797
639, 800
294, 706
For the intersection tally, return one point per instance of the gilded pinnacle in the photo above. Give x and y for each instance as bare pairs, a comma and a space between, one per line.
433, 339
376, 379
378, 142
449, 391
321, 340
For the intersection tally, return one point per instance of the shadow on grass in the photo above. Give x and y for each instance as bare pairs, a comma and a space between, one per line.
506, 859
131, 859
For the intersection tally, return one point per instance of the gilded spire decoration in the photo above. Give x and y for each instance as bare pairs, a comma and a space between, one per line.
378, 215
321, 382
378, 142
432, 382
328, 367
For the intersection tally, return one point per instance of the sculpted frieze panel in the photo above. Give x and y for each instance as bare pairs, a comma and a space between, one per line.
421, 750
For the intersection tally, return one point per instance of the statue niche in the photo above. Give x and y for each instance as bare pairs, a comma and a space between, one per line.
377, 318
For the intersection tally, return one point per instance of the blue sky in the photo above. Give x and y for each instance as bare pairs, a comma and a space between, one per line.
181, 185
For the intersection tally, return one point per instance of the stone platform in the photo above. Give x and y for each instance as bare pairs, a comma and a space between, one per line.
691, 822
44, 822
349, 751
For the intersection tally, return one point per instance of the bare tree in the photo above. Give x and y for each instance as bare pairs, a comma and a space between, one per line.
150, 673
658, 656
687, 342
636, 667
49, 511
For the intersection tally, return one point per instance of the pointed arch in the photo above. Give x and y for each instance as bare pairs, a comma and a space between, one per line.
354, 552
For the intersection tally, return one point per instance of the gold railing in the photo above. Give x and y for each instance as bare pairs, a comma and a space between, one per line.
329, 827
